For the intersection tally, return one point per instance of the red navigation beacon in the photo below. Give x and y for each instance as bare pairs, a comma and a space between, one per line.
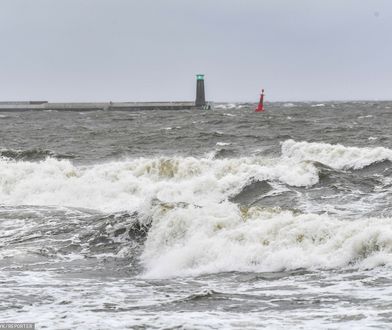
260, 107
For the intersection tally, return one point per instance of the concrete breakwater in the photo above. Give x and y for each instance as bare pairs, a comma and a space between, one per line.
200, 103
92, 106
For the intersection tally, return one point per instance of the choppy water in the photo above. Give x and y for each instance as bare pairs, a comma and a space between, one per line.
222, 219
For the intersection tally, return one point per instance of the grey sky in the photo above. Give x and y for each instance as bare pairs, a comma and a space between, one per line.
100, 50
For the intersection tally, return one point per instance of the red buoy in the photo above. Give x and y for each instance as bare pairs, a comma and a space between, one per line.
260, 107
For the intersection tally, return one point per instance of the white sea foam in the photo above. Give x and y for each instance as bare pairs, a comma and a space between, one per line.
190, 241
336, 156
226, 106
195, 228
133, 184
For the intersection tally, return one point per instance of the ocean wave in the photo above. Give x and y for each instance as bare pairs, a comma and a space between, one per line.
31, 154
193, 241
227, 106
251, 192
37, 234
223, 153
208, 215
336, 156
131, 185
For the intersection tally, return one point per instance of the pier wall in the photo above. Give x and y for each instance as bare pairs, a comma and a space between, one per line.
93, 106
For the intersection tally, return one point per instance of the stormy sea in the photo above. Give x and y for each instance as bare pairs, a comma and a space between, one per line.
198, 219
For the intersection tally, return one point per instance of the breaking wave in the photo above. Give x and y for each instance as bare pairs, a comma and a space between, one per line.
132, 185
336, 156
202, 213
193, 241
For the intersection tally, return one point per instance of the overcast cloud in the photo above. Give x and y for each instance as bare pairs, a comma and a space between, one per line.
101, 50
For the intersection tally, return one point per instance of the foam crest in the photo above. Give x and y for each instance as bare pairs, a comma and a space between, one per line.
134, 184
226, 106
336, 156
192, 241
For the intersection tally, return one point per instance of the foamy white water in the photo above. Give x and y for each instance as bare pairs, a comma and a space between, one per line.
336, 156
126, 185
194, 241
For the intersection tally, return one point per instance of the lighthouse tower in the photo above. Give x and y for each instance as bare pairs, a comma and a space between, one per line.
200, 94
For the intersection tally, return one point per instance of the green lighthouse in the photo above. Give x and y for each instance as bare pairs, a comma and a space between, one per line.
200, 94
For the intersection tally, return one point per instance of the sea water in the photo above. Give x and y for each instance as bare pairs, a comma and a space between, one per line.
219, 219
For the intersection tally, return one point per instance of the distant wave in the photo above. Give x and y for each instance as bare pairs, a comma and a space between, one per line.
31, 154
225, 106
228, 106
289, 105
336, 156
